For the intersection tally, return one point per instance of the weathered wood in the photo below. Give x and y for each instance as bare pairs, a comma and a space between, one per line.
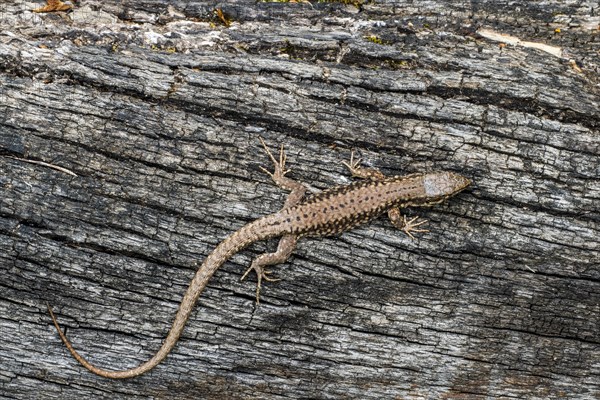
156, 107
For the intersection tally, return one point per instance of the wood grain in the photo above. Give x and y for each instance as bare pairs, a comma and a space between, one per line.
157, 109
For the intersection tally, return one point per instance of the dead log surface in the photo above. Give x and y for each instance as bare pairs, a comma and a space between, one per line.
157, 109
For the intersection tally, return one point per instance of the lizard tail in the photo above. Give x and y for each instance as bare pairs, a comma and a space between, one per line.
183, 313
243, 237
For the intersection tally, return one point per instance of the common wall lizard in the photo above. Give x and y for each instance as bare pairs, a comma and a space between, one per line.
326, 213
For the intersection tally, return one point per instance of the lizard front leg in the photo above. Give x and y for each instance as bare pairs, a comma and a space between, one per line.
357, 171
396, 217
407, 226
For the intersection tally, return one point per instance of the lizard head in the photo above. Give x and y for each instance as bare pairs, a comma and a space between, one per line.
443, 184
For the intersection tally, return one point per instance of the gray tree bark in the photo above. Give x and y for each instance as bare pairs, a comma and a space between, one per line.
129, 149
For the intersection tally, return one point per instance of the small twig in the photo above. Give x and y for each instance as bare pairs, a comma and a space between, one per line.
45, 164
529, 268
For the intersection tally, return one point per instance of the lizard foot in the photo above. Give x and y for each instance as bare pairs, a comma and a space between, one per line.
353, 166
261, 274
357, 171
411, 225
279, 170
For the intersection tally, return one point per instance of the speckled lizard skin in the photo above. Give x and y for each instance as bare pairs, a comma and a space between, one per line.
327, 213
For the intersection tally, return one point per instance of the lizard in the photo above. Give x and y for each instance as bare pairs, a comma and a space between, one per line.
53, 5
326, 213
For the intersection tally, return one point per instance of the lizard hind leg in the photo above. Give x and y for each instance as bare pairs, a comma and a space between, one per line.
297, 189
286, 246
